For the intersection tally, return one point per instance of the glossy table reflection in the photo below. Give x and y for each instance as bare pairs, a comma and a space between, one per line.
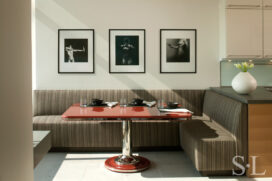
126, 162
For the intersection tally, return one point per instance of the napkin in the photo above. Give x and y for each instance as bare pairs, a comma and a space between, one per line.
150, 104
176, 110
111, 104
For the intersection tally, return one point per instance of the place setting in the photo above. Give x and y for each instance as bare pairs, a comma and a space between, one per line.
137, 102
95, 102
171, 107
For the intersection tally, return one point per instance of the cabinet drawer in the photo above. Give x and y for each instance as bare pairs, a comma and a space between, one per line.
247, 4
267, 4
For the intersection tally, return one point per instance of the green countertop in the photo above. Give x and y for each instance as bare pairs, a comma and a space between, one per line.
259, 96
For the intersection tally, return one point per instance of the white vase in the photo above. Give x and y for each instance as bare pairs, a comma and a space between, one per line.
244, 83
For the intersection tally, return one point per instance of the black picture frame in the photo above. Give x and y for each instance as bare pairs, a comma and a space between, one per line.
195, 52
144, 54
93, 52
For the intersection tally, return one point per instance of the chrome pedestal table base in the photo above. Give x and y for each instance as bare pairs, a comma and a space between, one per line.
127, 163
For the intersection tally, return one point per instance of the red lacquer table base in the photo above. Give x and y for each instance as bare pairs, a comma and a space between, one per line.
141, 164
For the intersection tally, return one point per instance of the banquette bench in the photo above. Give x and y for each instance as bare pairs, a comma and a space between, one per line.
212, 141
216, 133
101, 135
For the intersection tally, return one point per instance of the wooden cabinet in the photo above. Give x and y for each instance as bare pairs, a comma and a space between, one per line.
267, 33
267, 28
243, 3
260, 140
267, 4
244, 33
249, 28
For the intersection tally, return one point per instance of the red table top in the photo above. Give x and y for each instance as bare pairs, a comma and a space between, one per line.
75, 111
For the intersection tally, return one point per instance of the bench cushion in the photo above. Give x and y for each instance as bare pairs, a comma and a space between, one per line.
41, 145
55, 102
99, 135
210, 146
230, 114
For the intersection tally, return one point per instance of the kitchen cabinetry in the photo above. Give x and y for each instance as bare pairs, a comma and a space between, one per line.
267, 3
260, 139
249, 27
267, 28
244, 33
243, 3
259, 120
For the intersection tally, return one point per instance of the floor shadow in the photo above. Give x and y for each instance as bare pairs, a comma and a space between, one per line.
166, 165
46, 170
176, 164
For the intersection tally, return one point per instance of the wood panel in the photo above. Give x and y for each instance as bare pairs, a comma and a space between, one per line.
267, 3
243, 3
244, 33
267, 32
260, 138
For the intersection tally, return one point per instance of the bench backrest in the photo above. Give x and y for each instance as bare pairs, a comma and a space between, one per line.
55, 102
230, 114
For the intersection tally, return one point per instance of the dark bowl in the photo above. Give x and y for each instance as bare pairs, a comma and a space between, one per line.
97, 101
172, 105
138, 101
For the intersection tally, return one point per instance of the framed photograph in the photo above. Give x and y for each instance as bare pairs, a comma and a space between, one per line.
76, 51
178, 50
127, 50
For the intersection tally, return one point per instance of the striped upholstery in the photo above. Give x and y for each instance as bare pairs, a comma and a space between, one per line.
106, 134
212, 144
98, 135
55, 102
232, 115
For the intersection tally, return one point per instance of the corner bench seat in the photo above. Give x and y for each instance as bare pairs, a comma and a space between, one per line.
49, 105
102, 135
212, 143
209, 145
41, 145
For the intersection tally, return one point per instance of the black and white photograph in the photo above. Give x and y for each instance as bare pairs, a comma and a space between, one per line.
127, 50
178, 50
76, 51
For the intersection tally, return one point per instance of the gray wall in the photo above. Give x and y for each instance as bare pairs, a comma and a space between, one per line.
151, 15
16, 157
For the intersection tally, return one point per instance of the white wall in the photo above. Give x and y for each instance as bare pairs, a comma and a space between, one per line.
16, 150
151, 15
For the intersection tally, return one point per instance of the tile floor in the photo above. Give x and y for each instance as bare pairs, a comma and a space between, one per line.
169, 165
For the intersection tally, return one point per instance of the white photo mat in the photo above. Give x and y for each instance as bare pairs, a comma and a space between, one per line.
127, 68
76, 67
180, 67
